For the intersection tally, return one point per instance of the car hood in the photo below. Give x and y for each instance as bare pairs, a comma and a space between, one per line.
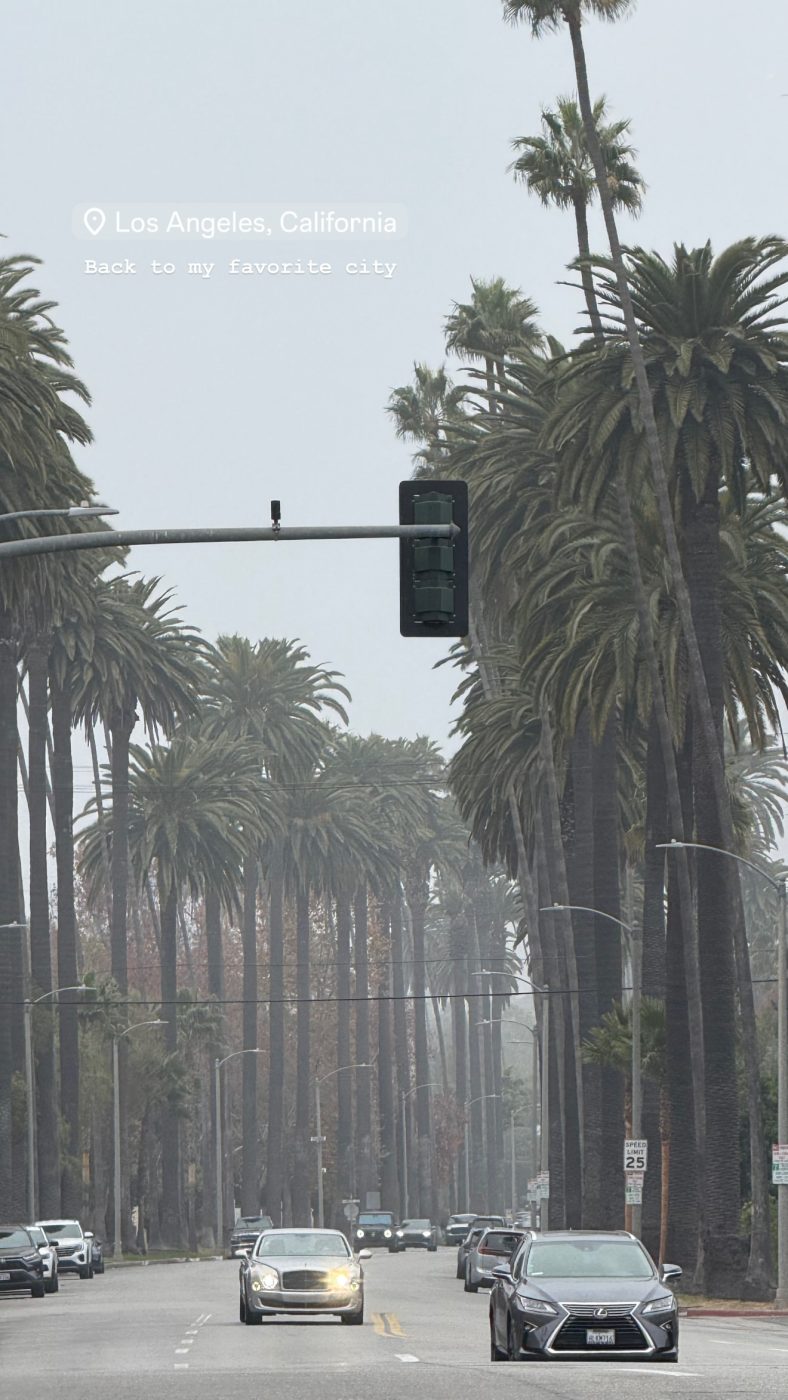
594, 1290
286, 1263
17, 1251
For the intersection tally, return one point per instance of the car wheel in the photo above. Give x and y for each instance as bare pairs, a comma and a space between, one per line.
433, 1248
52, 1285
470, 1286
496, 1354
85, 1272
460, 1271
353, 1319
37, 1290
98, 1268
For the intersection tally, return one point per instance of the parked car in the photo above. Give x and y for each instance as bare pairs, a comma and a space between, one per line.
21, 1265
49, 1256
492, 1248
418, 1234
376, 1229
457, 1227
580, 1295
302, 1271
74, 1246
245, 1232
473, 1236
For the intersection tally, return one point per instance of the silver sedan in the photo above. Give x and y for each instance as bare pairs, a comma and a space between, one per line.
300, 1271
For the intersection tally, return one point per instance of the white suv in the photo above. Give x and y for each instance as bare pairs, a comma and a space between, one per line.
74, 1246
49, 1256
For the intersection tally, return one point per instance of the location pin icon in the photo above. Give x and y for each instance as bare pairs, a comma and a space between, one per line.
95, 220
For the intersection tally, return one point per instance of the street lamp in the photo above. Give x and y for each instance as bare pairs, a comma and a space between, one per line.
116, 1244
480, 1098
217, 1064
86, 511
319, 1139
30, 1080
544, 1055
781, 886
637, 980
406, 1093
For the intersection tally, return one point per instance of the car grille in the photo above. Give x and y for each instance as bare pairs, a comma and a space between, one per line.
64, 1250
572, 1335
306, 1280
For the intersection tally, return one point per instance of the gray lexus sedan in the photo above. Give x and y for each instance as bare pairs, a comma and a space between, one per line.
305, 1272
574, 1295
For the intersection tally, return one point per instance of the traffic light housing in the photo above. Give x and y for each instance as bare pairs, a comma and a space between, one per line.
433, 573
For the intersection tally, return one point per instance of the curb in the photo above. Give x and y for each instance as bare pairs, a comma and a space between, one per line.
146, 1263
733, 1312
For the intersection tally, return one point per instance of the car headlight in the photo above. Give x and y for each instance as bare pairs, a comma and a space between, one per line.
359, 1234
538, 1305
666, 1303
426, 1233
266, 1279
341, 1280
400, 1234
387, 1234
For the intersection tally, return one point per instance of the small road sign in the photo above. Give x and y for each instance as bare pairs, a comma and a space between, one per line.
780, 1164
635, 1154
350, 1210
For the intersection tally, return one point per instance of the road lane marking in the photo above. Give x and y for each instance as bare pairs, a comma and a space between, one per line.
181, 1366
652, 1371
387, 1325
181, 1351
405, 1356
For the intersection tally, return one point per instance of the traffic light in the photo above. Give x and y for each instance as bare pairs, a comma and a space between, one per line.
433, 573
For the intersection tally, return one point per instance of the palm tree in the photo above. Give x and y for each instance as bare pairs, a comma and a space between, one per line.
192, 807
421, 411
270, 695
557, 167
498, 321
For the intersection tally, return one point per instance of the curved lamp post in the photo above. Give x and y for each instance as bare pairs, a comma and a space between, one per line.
781, 886
319, 1139
140, 1025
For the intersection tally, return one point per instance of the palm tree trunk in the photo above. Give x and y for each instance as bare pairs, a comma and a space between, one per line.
553, 974
215, 960
344, 1077
584, 249
608, 959
63, 794
274, 1183
250, 1176
664, 1137
303, 1153
459, 1020
172, 1224
401, 1046
363, 1077
653, 984
580, 879
418, 896
105, 856
40, 949
389, 1175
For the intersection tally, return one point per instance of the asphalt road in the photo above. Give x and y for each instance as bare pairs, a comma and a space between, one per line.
171, 1332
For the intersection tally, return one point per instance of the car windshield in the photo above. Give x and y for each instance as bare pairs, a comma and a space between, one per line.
461, 1219
417, 1224
588, 1259
61, 1227
254, 1222
37, 1234
12, 1237
375, 1217
306, 1245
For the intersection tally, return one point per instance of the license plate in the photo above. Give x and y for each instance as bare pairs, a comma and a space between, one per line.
5, 1278
598, 1338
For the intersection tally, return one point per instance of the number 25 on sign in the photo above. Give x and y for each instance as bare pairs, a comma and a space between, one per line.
635, 1154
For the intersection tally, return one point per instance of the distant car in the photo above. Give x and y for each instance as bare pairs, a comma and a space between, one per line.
49, 1256
21, 1265
74, 1246
472, 1238
583, 1295
492, 1248
301, 1271
457, 1227
418, 1234
245, 1232
376, 1229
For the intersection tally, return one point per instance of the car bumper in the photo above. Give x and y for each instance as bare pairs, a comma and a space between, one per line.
71, 1264
642, 1340
20, 1278
307, 1302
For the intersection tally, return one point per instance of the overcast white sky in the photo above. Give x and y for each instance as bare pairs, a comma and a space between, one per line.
213, 395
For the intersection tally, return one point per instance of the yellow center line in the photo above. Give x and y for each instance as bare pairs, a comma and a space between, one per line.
387, 1325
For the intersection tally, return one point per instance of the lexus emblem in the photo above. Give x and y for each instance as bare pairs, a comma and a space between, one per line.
600, 1312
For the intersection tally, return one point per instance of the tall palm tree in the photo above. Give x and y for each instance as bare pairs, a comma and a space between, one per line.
191, 809
270, 695
496, 322
421, 411
557, 167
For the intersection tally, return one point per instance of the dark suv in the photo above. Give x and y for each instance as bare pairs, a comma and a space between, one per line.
376, 1228
245, 1232
21, 1265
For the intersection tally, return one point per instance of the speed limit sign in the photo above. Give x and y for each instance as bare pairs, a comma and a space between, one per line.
635, 1154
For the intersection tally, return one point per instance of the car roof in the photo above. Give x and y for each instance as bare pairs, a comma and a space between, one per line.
584, 1235
299, 1230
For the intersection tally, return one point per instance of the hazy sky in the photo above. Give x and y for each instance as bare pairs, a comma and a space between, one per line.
211, 395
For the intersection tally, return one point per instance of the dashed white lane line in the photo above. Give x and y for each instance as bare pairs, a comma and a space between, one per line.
181, 1366
181, 1351
651, 1371
405, 1356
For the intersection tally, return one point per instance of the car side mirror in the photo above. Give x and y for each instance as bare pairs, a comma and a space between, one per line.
244, 1251
671, 1271
365, 1254
502, 1271
88, 1234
